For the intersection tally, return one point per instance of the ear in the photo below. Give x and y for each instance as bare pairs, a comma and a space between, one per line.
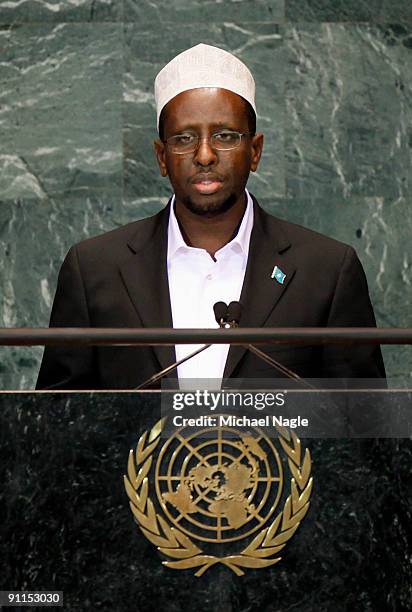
257, 148
160, 152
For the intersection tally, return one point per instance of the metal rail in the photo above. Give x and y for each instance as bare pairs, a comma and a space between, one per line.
85, 336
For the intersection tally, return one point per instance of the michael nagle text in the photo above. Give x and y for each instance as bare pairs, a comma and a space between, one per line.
230, 420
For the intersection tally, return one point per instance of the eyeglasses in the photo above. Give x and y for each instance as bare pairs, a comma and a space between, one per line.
187, 142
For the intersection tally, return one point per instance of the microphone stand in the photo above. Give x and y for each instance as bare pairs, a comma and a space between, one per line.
232, 321
278, 366
159, 375
220, 309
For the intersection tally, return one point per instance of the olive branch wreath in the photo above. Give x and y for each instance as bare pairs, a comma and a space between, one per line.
173, 543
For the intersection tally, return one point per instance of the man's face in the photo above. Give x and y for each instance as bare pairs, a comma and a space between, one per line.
208, 182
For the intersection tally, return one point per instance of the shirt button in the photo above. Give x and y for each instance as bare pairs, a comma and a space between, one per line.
209, 277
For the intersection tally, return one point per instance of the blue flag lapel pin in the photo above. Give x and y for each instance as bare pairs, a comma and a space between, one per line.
278, 275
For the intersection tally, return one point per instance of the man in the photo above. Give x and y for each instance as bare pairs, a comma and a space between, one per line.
212, 243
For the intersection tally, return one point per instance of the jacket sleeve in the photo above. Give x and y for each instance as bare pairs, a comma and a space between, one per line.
67, 367
351, 307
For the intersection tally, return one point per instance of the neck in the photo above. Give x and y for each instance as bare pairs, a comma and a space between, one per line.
210, 233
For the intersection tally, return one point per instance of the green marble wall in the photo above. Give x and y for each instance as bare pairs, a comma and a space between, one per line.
77, 121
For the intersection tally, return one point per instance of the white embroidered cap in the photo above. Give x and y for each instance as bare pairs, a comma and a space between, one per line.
203, 66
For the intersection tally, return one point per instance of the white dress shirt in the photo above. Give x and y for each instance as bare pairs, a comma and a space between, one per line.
196, 283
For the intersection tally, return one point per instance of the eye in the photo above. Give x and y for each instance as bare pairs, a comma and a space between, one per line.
184, 139
226, 137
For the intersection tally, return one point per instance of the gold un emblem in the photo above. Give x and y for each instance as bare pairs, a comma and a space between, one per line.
215, 487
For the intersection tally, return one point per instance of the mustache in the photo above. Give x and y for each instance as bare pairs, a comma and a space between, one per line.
206, 176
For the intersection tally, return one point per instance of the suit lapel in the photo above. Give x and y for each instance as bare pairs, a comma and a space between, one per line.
145, 277
269, 247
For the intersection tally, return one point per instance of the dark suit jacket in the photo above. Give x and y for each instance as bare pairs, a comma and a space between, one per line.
119, 279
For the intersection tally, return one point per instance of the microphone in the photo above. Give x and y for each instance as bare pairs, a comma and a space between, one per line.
234, 311
220, 310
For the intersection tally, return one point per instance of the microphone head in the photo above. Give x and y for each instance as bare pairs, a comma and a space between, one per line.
234, 312
220, 310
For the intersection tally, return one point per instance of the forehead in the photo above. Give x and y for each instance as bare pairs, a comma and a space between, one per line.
204, 107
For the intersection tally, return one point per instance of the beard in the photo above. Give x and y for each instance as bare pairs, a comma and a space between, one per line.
211, 209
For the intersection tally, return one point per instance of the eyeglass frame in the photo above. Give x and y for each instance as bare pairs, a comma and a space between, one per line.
209, 139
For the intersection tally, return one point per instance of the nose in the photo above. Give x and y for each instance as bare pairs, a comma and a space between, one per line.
205, 154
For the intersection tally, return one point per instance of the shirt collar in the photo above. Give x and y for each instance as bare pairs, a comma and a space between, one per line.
241, 241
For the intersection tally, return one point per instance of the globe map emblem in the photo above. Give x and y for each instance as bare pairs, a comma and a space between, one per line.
218, 485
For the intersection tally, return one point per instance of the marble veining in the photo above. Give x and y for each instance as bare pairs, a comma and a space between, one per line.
29, 11
348, 126
372, 11
203, 11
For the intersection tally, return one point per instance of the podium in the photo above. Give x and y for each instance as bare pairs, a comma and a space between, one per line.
66, 524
